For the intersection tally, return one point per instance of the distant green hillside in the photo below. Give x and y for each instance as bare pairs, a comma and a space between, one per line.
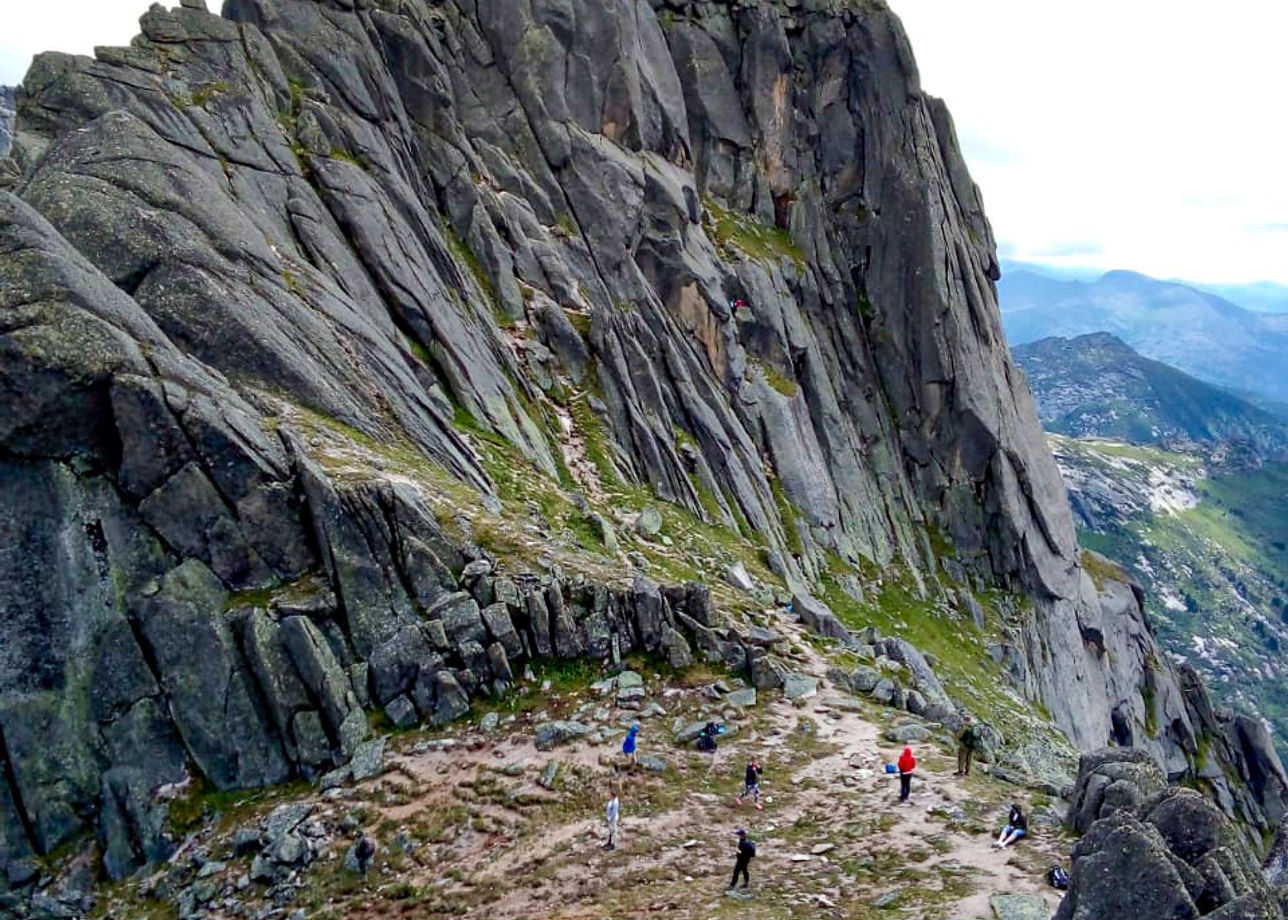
1211, 552
1097, 386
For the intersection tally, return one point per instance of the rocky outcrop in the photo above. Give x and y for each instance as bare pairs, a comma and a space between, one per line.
1184, 858
357, 212
6, 119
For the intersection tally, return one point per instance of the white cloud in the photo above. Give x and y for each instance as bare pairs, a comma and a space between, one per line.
1147, 130
1143, 134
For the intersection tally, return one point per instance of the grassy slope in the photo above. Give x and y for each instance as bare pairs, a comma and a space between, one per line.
1223, 566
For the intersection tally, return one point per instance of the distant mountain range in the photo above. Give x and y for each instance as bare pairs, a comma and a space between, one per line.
1258, 296
1095, 385
1197, 332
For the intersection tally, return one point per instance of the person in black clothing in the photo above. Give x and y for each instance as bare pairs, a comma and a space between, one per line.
751, 785
1017, 826
746, 850
363, 850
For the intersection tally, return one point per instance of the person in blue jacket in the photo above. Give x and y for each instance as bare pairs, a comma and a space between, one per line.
628, 746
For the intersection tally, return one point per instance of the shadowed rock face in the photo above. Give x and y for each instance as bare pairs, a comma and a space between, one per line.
337, 206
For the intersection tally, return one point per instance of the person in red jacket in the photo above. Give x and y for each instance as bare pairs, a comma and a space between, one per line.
907, 763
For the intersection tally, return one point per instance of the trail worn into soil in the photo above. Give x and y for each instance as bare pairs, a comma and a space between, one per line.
833, 841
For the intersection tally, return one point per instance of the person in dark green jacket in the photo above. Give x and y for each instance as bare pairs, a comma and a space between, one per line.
967, 742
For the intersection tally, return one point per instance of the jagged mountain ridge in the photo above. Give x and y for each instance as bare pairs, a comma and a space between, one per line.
347, 208
1095, 385
1197, 332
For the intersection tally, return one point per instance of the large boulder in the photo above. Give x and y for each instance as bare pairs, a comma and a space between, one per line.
1169, 852
819, 617
1112, 779
1122, 868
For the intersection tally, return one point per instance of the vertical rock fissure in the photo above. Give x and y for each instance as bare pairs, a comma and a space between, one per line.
15, 793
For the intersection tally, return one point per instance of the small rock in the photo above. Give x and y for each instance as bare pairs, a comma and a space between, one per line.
689, 732
489, 722
907, 734
214, 867
285, 818
549, 775
652, 764
630, 694
763, 637
649, 522
744, 698
262, 869
401, 711
738, 576
799, 687
1019, 907
368, 760
844, 703
886, 900
245, 841
820, 848
552, 734
288, 849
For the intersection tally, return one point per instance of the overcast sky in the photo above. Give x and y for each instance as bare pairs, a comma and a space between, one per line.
1141, 134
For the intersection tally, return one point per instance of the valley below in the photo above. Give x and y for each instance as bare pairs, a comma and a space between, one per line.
1208, 547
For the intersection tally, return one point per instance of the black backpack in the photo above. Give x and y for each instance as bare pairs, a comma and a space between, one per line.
751, 849
1058, 878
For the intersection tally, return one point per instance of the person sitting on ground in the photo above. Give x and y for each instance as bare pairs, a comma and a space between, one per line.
611, 815
746, 851
707, 737
628, 746
751, 784
967, 741
1017, 826
907, 763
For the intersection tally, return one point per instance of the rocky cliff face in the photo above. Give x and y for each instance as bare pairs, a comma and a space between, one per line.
431, 224
6, 119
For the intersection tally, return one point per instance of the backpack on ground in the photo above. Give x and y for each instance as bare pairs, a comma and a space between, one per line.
1058, 878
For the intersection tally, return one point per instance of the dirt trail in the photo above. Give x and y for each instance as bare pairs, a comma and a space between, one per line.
825, 790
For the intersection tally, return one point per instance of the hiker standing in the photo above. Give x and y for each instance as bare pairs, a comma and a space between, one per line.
746, 851
907, 763
967, 741
611, 815
751, 785
1017, 826
363, 850
628, 746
